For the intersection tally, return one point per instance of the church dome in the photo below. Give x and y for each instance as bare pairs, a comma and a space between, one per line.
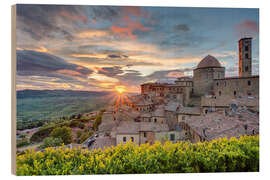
209, 61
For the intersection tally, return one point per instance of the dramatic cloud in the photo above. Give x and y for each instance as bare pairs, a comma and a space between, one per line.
129, 27
37, 62
102, 47
43, 21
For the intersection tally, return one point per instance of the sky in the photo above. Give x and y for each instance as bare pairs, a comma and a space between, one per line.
102, 48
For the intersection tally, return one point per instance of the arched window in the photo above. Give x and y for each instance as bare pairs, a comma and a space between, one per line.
219, 93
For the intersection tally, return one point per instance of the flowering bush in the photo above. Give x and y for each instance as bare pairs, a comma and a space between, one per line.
222, 155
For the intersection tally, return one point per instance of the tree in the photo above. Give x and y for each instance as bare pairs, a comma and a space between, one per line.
97, 121
51, 142
64, 133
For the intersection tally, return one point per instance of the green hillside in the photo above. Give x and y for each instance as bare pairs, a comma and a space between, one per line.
35, 107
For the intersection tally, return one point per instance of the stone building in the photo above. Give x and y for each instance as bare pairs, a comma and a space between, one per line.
233, 87
207, 70
209, 79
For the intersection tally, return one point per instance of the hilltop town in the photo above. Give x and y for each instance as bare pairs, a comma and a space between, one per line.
207, 106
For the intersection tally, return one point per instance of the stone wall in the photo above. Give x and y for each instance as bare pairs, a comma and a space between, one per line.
203, 79
120, 137
235, 87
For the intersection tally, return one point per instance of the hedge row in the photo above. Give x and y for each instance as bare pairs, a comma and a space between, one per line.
222, 155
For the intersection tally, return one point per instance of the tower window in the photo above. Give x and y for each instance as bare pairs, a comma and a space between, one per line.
249, 83
246, 48
246, 55
246, 68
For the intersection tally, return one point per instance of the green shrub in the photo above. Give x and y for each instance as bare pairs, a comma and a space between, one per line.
51, 142
41, 134
223, 155
97, 121
78, 133
23, 142
84, 136
64, 133
81, 125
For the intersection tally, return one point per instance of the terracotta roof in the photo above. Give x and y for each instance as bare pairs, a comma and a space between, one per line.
218, 125
209, 61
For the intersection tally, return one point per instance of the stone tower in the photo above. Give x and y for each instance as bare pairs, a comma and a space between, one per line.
245, 65
207, 70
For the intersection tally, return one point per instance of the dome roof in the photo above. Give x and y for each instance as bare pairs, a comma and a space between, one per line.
209, 61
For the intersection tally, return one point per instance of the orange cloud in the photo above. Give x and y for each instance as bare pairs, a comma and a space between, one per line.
247, 28
69, 72
175, 74
96, 69
92, 34
89, 55
131, 27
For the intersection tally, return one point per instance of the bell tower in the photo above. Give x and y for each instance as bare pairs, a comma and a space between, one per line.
245, 59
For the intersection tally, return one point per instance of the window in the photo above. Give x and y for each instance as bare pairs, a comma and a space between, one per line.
155, 120
206, 111
237, 83
124, 139
246, 68
219, 93
132, 139
249, 93
172, 137
217, 83
249, 83
144, 134
149, 120
246, 55
183, 118
234, 93
225, 83
246, 48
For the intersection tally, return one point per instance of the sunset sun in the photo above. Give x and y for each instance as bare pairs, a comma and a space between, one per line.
120, 89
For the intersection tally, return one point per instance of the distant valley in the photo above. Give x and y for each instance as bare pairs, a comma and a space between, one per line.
36, 106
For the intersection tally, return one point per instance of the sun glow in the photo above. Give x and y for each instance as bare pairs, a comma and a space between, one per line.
120, 89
